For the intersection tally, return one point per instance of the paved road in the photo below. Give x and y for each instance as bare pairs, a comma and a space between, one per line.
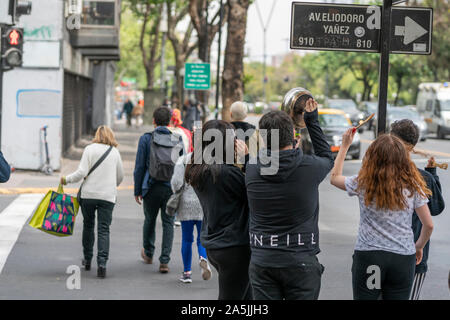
36, 265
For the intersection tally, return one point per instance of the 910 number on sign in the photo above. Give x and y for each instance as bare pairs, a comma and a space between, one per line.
306, 41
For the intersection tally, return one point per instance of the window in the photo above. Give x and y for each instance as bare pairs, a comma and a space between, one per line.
98, 12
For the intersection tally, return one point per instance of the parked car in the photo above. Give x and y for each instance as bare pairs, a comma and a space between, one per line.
399, 113
350, 109
433, 103
334, 123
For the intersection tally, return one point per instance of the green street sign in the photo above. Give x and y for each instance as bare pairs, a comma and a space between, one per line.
197, 76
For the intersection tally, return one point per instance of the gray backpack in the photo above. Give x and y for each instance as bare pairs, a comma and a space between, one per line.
161, 150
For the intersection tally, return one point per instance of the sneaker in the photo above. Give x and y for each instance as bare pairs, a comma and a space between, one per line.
186, 278
177, 224
146, 258
164, 268
206, 269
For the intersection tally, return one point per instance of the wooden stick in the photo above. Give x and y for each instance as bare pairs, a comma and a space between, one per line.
443, 166
361, 123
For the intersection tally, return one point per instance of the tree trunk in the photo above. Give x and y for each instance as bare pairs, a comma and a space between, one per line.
399, 88
233, 70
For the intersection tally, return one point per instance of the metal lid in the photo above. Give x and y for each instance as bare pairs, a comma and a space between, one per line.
288, 104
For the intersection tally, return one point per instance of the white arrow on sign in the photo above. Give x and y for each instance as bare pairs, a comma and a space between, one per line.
411, 31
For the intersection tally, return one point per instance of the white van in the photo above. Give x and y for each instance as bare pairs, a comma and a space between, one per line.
433, 103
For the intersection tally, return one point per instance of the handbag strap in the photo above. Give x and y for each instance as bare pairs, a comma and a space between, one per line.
99, 161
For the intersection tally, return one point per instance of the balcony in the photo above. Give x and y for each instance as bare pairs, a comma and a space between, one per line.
98, 35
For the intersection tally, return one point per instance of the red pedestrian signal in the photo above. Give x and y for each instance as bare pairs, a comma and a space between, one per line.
11, 48
14, 37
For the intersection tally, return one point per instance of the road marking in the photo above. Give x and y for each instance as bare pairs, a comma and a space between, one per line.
12, 220
45, 190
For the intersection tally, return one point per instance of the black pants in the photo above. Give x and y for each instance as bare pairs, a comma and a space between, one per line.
295, 283
104, 217
382, 274
232, 266
154, 201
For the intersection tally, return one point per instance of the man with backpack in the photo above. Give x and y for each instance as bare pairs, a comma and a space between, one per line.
155, 160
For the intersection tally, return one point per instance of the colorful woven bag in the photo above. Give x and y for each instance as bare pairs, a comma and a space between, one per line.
56, 213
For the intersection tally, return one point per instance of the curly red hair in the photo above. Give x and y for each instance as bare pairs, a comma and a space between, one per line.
386, 171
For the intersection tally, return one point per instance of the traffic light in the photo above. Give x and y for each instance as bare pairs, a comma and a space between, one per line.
19, 8
11, 47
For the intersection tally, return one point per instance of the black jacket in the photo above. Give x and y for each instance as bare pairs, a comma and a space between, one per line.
5, 169
284, 208
225, 210
244, 126
436, 205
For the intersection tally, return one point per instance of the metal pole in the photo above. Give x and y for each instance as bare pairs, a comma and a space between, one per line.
1, 101
163, 58
384, 65
264, 66
218, 60
265, 26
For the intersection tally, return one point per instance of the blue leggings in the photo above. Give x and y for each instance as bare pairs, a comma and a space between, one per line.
187, 228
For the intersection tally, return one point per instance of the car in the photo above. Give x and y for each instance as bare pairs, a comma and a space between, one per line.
399, 113
350, 109
334, 123
433, 103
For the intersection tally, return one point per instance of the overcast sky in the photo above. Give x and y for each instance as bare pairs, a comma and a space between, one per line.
278, 30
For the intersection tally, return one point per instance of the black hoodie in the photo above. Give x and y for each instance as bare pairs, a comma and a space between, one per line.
284, 208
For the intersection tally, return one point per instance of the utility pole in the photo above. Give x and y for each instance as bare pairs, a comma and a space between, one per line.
164, 30
218, 59
265, 26
386, 15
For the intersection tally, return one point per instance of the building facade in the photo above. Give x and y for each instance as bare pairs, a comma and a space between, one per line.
66, 81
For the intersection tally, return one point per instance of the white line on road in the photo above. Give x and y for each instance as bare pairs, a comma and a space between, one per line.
12, 220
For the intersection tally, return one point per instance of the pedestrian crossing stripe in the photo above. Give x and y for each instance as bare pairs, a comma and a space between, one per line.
12, 220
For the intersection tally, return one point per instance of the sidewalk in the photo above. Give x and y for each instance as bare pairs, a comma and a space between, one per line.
27, 181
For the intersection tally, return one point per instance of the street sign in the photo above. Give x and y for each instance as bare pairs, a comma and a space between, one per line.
197, 76
411, 30
357, 28
335, 27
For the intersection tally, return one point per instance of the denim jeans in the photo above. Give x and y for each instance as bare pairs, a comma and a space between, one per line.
154, 201
104, 217
295, 283
187, 228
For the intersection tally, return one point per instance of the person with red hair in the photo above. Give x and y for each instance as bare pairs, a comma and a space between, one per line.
176, 126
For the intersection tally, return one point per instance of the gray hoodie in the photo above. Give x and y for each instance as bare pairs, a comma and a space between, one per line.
189, 207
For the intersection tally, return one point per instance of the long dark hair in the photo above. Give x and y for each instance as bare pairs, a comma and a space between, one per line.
197, 170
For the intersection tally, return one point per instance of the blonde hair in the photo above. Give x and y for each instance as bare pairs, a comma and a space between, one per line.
105, 135
238, 110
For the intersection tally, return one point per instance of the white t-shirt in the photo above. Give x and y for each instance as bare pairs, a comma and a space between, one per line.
102, 183
385, 230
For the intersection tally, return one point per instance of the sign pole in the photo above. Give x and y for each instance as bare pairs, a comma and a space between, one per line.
384, 65
218, 60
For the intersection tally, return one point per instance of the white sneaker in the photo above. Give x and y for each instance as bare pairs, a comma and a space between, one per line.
206, 269
177, 224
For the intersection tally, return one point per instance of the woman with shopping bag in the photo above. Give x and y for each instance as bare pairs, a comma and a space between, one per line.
102, 171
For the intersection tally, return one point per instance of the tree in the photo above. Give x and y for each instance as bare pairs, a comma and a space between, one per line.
233, 70
206, 28
149, 13
182, 46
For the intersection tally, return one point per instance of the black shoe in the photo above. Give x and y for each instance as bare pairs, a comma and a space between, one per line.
86, 264
101, 272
